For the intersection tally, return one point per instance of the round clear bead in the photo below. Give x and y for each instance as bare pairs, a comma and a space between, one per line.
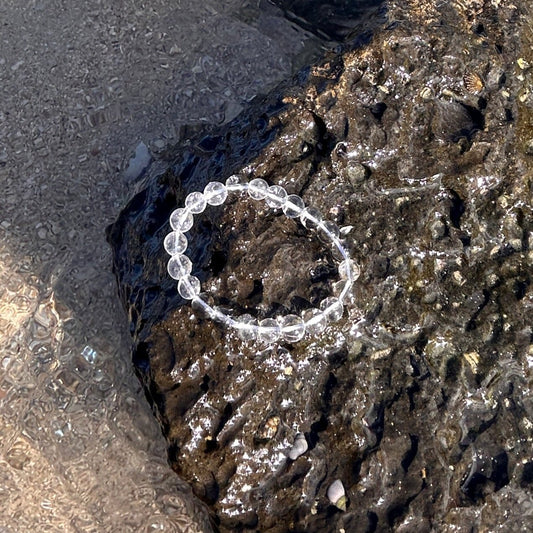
328, 231
292, 328
215, 193
201, 305
247, 327
293, 206
269, 330
310, 217
234, 183
315, 321
338, 252
179, 266
220, 315
175, 243
189, 287
348, 269
276, 196
195, 202
332, 308
181, 219
257, 189
342, 289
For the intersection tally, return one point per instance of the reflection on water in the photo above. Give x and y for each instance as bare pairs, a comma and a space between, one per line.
82, 85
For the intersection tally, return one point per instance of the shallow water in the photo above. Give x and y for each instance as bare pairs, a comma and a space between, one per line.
81, 87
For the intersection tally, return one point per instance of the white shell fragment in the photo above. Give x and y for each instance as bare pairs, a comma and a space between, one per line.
337, 495
299, 447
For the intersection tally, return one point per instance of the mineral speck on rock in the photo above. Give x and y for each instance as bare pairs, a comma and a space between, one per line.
419, 400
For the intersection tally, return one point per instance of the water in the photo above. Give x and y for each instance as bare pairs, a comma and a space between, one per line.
83, 88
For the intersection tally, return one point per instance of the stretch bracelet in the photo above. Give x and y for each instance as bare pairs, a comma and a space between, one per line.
290, 328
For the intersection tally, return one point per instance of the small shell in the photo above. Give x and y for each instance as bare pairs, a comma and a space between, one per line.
269, 430
337, 495
426, 93
522, 63
473, 82
299, 447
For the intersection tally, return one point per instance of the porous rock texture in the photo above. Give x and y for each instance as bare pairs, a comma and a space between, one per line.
420, 398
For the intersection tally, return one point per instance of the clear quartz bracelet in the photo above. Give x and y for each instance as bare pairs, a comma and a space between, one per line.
290, 328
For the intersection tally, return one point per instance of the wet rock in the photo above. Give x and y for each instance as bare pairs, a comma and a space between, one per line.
332, 19
418, 401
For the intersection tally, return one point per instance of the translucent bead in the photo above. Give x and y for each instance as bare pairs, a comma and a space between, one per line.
328, 231
195, 202
257, 189
175, 243
215, 193
223, 315
269, 330
292, 328
341, 289
338, 252
293, 206
348, 269
247, 327
179, 266
234, 183
181, 220
276, 196
315, 321
310, 217
332, 308
201, 305
189, 287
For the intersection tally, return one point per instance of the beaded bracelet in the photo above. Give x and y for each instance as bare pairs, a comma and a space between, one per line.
290, 328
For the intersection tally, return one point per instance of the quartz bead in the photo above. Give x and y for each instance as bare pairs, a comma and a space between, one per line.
189, 287
195, 202
220, 314
310, 217
292, 328
341, 289
181, 220
276, 196
332, 308
293, 206
201, 305
269, 330
315, 321
175, 243
234, 183
348, 269
179, 266
328, 231
257, 189
247, 327
215, 193
338, 252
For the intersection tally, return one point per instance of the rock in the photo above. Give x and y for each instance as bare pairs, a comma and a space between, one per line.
420, 398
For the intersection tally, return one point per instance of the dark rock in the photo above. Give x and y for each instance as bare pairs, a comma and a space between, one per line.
330, 19
420, 399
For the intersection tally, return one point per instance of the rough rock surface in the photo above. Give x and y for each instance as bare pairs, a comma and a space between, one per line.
420, 398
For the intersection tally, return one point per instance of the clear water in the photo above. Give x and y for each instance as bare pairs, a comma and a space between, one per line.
82, 85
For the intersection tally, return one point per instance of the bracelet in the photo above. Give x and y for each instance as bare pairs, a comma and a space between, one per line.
290, 328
